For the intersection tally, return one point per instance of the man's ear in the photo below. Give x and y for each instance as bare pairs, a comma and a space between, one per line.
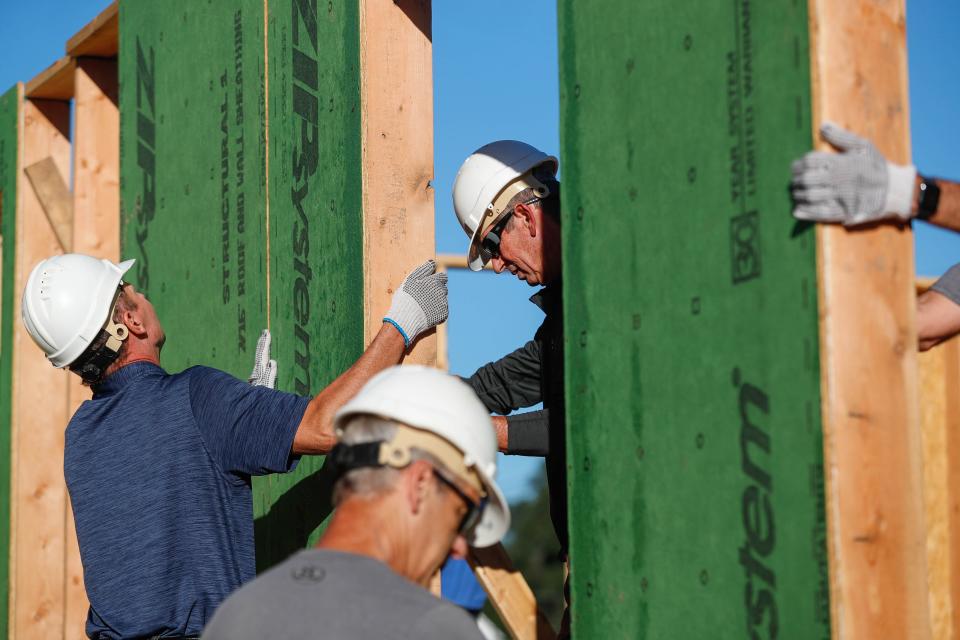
134, 322
524, 215
418, 481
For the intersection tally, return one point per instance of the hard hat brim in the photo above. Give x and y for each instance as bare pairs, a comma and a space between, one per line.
495, 521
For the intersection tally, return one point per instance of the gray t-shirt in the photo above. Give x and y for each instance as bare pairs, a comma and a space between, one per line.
949, 284
319, 593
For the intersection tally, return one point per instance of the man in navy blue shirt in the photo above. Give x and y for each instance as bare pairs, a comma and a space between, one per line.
158, 466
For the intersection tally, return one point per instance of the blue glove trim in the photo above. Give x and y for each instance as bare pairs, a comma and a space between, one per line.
406, 340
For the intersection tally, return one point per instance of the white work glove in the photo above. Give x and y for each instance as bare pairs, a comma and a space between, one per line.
420, 303
854, 186
264, 372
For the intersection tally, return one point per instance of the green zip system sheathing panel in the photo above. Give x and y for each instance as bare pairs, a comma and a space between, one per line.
226, 247
695, 442
9, 128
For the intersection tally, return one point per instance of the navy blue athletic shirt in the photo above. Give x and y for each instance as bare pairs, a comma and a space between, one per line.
158, 467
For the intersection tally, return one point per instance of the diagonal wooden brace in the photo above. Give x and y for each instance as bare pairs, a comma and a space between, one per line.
55, 198
510, 594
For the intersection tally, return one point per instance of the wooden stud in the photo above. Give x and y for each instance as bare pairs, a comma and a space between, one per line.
99, 38
39, 411
446, 262
96, 206
55, 199
872, 445
396, 97
53, 83
940, 424
510, 594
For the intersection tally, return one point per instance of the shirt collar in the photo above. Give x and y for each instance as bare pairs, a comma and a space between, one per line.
123, 376
549, 298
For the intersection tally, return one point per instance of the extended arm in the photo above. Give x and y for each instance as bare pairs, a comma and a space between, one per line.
418, 305
859, 185
938, 310
510, 383
315, 434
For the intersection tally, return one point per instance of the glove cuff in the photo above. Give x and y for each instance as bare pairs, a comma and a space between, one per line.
900, 181
406, 315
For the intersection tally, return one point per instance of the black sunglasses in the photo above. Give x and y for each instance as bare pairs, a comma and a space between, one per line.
491, 242
474, 509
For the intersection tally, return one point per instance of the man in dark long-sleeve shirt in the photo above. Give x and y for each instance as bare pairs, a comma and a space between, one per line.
507, 200
531, 374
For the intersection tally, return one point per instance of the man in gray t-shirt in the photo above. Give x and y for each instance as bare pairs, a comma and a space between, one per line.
415, 468
321, 593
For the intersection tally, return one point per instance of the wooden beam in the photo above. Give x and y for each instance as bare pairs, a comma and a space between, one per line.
96, 231
872, 444
940, 422
53, 83
445, 262
38, 493
99, 38
510, 594
396, 98
55, 199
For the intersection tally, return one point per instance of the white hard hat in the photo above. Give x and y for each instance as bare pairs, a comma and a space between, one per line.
484, 177
436, 402
67, 301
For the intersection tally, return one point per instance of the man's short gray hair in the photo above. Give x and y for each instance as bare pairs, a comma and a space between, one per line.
370, 481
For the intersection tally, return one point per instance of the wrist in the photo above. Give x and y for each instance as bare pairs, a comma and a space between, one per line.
397, 330
901, 190
927, 198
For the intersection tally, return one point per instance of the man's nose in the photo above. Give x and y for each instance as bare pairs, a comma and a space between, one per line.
497, 264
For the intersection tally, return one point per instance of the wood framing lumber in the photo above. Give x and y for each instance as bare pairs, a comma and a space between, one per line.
96, 231
872, 443
38, 495
445, 262
53, 83
510, 594
940, 425
55, 199
396, 96
99, 38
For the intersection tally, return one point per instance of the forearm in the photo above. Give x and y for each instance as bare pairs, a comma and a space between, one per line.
528, 434
948, 208
315, 435
938, 319
500, 426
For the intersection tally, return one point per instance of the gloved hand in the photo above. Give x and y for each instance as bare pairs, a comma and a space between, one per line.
264, 372
420, 303
855, 186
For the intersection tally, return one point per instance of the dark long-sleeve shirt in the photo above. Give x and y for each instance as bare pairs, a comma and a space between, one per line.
531, 374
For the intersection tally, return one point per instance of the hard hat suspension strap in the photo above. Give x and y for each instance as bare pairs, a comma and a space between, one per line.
497, 208
397, 453
103, 351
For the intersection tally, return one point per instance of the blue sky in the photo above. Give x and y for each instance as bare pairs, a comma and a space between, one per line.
495, 76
